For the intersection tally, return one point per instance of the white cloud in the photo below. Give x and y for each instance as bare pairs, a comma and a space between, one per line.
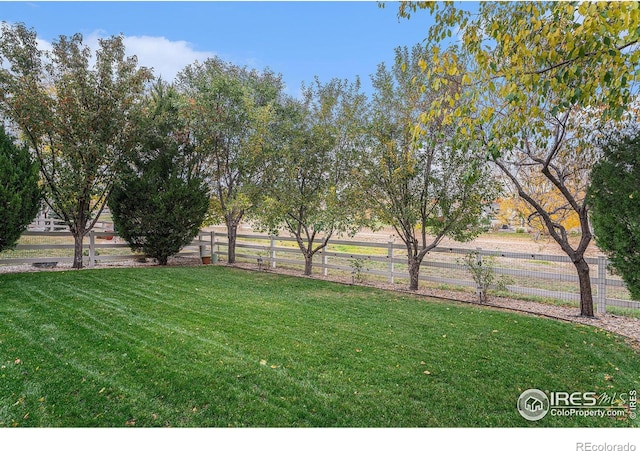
43, 45
166, 57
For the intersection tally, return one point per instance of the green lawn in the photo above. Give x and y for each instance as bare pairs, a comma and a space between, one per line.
214, 346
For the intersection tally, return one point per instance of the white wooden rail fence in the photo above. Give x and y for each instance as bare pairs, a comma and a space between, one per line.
386, 260
392, 264
98, 247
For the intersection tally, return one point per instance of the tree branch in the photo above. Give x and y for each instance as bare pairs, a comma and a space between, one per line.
572, 60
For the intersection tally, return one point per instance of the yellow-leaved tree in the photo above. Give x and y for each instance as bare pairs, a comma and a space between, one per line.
542, 79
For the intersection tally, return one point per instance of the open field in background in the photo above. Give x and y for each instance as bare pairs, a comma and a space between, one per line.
508, 241
217, 346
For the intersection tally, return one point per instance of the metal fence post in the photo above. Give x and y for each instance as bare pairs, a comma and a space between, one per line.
602, 284
480, 290
92, 249
272, 252
390, 265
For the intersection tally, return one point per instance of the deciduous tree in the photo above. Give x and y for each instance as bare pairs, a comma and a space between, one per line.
426, 185
312, 189
75, 114
534, 70
230, 114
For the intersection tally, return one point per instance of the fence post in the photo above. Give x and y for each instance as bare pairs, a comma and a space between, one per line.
272, 252
202, 247
324, 264
390, 266
480, 290
92, 249
602, 284
212, 234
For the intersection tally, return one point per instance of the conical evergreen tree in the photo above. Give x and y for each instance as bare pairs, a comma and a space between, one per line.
161, 200
20, 194
614, 198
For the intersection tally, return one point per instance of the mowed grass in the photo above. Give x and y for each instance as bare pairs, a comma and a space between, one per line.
219, 347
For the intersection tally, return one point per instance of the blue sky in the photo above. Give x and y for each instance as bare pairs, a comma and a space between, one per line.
296, 39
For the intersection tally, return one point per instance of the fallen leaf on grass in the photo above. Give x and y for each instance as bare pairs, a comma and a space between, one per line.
427, 372
263, 362
608, 377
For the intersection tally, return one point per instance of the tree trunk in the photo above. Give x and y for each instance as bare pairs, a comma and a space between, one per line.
414, 273
586, 295
77, 250
308, 264
232, 234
